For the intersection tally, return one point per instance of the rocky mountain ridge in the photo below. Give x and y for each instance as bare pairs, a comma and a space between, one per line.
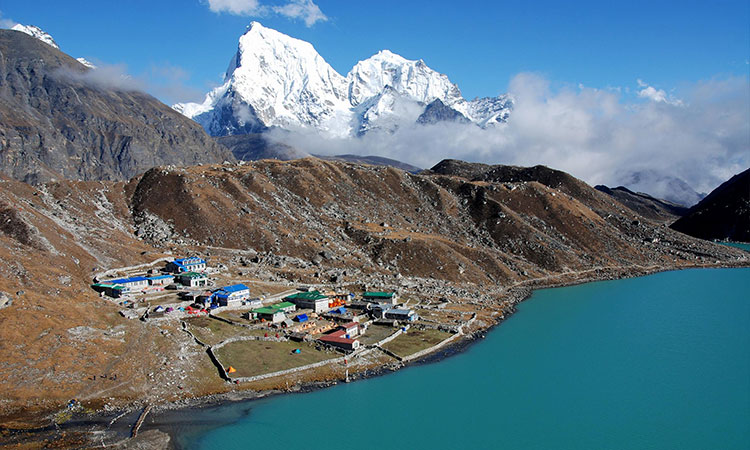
724, 214
645, 205
60, 119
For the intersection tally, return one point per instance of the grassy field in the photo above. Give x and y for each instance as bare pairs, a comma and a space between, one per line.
211, 331
252, 358
235, 315
415, 340
376, 333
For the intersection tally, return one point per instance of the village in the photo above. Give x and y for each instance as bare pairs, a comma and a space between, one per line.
252, 330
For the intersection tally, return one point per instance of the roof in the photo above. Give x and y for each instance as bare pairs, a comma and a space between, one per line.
267, 310
313, 295
126, 280
189, 261
273, 309
336, 337
373, 294
235, 288
350, 325
193, 275
161, 277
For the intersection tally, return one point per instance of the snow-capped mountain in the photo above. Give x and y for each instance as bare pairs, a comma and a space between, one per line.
277, 81
86, 63
36, 32
273, 80
45, 37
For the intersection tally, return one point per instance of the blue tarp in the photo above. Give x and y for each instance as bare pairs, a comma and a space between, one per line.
301, 318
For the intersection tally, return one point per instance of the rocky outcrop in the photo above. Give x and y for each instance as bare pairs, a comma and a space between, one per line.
437, 111
60, 119
645, 205
723, 214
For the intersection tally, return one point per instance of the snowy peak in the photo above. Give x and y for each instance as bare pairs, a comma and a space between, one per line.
86, 63
409, 78
274, 80
37, 33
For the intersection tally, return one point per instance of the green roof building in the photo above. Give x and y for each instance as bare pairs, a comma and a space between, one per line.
312, 295
275, 313
380, 297
310, 300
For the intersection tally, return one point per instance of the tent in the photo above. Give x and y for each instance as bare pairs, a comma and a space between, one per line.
301, 318
231, 370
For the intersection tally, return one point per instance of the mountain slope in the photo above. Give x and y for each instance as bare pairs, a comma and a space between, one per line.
59, 119
723, 214
429, 236
645, 205
274, 80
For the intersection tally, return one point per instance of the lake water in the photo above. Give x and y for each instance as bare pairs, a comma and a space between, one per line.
657, 362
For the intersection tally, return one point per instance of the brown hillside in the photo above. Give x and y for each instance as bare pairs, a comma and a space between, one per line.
308, 221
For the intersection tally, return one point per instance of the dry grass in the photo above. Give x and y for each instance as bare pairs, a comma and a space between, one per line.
376, 333
252, 358
211, 331
415, 340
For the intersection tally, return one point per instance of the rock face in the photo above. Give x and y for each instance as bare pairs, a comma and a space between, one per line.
645, 205
437, 111
60, 119
723, 214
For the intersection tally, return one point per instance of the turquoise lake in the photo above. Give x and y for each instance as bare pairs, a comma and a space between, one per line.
657, 362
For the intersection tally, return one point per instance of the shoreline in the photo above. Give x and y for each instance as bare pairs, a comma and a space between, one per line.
114, 427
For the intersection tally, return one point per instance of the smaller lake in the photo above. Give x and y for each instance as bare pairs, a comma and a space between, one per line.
657, 362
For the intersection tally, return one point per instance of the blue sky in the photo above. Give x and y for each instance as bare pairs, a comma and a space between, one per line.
480, 45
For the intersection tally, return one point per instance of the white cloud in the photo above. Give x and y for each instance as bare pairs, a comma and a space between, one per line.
597, 135
302, 9
237, 7
305, 10
104, 77
655, 95
6, 22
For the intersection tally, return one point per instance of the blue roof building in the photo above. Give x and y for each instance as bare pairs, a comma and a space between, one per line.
130, 282
160, 279
231, 294
192, 264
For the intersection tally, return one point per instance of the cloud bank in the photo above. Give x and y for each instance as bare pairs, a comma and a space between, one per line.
305, 10
647, 143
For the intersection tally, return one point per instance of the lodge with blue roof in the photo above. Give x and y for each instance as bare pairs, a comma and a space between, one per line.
191, 264
231, 295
